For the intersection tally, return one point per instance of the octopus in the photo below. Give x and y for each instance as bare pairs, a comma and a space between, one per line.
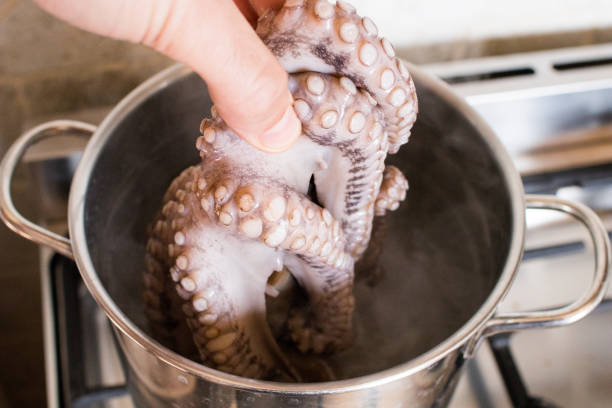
242, 215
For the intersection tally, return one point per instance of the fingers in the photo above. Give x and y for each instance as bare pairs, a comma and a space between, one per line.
247, 11
246, 82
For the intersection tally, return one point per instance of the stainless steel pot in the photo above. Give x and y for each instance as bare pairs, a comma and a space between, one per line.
451, 252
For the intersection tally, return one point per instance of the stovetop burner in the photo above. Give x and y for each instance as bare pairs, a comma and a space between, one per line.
553, 112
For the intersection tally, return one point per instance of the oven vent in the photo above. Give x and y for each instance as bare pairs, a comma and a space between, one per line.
566, 66
489, 75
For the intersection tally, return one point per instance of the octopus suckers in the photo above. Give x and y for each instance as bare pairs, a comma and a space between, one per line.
329, 119
188, 284
179, 238
302, 109
211, 333
276, 236
405, 110
200, 143
387, 47
225, 218
326, 249
209, 135
298, 243
201, 183
336, 229
349, 32
251, 227
208, 319
333, 256
219, 358
182, 262
387, 79
204, 202
213, 112
397, 97
343, 5
246, 202
369, 26
315, 245
315, 84
367, 54
275, 208
294, 217
348, 85
294, 3
327, 217
199, 304
323, 9
220, 193
404, 131
222, 342
357, 122
310, 213
175, 274
376, 131
168, 207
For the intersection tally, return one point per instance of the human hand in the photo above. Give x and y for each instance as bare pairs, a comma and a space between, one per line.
216, 39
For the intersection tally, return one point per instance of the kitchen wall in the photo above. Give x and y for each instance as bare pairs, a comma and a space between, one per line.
48, 67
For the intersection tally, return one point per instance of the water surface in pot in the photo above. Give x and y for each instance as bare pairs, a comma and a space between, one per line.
443, 251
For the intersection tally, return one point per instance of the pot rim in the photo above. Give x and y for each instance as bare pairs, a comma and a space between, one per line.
469, 330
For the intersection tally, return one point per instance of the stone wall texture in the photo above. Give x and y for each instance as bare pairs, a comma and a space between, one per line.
48, 67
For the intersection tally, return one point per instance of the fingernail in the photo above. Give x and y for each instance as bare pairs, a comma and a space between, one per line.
283, 134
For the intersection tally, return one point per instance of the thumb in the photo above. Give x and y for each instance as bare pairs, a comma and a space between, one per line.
246, 82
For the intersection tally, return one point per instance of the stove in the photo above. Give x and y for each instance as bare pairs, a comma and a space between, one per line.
553, 112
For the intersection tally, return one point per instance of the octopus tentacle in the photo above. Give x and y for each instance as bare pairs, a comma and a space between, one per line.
325, 324
201, 209
229, 223
162, 303
392, 191
227, 321
316, 36
338, 115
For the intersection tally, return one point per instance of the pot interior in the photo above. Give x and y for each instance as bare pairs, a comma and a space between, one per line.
444, 248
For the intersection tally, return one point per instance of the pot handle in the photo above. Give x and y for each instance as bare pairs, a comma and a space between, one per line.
9, 214
575, 311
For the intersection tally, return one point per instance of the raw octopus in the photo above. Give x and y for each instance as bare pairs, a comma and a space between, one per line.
229, 222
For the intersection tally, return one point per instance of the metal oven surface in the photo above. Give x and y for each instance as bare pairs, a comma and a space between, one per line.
553, 112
